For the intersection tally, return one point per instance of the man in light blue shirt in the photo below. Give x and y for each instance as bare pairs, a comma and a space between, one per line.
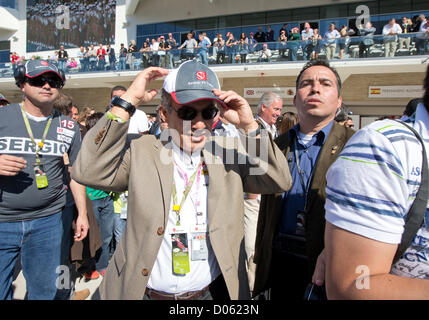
204, 47
331, 37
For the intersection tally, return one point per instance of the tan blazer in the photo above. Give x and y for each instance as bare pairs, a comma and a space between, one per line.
146, 170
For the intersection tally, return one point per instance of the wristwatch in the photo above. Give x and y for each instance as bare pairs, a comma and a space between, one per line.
118, 102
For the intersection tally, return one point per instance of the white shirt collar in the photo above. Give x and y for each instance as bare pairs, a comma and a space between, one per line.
189, 160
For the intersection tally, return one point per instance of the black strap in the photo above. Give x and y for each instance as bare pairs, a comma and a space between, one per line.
417, 211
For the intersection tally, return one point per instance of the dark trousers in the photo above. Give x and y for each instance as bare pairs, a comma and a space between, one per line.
289, 276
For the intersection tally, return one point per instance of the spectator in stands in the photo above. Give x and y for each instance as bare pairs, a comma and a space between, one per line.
284, 28
101, 55
244, 37
13, 59
422, 39
307, 44
203, 48
146, 54
265, 54
62, 58
3, 101
282, 44
252, 43
316, 38
231, 47
286, 122
110, 51
345, 33
92, 57
260, 36
132, 49
123, 57
243, 50
390, 33
219, 44
190, 44
331, 37
173, 44
82, 59
154, 47
71, 65
405, 38
269, 35
293, 43
367, 34
163, 50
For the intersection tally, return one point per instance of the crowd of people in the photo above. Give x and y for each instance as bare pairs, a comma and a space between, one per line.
208, 201
166, 52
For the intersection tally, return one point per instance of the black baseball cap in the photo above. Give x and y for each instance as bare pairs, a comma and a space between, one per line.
191, 82
35, 68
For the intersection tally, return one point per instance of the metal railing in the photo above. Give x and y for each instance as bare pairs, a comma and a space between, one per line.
411, 44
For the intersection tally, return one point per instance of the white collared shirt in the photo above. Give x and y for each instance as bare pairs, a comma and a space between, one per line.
272, 129
202, 273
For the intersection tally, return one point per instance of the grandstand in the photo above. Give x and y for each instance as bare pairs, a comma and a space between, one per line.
373, 86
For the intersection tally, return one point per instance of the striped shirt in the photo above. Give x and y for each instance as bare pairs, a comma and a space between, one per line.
373, 183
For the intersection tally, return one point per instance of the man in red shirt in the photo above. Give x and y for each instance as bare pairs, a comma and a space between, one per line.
14, 58
101, 54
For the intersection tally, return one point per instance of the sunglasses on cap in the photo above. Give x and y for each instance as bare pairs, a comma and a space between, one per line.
188, 113
54, 82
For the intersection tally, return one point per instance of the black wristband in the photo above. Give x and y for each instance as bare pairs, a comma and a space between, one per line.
118, 102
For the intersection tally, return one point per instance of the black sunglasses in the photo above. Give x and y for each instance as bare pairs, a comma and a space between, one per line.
41, 80
188, 113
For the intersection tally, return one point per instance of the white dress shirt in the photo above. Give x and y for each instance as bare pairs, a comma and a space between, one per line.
202, 272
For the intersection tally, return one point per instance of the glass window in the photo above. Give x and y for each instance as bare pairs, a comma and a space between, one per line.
145, 29
280, 16
336, 11
5, 45
389, 6
420, 5
164, 27
253, 19
8, 3
230, 21
185, 25
207, 23
305, 14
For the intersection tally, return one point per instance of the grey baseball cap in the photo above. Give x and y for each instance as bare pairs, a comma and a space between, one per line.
36, 67
192, 82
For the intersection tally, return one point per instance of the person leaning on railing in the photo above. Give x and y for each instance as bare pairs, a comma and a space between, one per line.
367, 33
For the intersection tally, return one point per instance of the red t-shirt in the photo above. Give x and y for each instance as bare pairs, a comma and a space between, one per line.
101, 53
14, 58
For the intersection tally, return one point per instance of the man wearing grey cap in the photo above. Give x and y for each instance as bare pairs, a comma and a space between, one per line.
37, 145
184, 237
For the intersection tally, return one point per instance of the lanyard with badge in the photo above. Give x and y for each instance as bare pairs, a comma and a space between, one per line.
39, 171
179, 235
